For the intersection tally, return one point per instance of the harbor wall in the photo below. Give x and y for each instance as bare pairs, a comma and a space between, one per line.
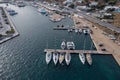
12, 25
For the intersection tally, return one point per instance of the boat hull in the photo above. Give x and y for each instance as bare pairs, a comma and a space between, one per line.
82, 57
55, 58
48, 57
89, 59
61, 57
67, 58
63, 45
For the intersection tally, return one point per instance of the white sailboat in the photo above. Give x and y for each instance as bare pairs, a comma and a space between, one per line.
63, 45
48, 57
89, 59
55, 57
82, 57
61, 57
67, 58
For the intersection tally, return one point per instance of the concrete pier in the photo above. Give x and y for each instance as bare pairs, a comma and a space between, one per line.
12, 25
73, 51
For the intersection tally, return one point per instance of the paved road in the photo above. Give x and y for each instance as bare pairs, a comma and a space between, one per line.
95, 20
5, 26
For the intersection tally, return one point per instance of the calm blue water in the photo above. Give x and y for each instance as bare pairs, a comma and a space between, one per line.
22, 58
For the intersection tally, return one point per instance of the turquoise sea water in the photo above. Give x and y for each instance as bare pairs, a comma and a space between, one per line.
23, 57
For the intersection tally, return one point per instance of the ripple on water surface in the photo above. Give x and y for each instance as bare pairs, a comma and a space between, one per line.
22, 58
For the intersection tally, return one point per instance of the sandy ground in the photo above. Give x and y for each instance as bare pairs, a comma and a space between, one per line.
56, 16
99, 37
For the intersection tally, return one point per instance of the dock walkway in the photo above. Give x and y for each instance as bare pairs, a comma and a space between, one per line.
63, 28
73, 51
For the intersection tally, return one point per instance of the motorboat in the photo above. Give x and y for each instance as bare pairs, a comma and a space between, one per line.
67, 58
63, 45
88, 31
55, 57
89, 59
70, 45
85, 32
48, 57
10, 10
82, 57
76, 30
71, 29
42, 10
13, 13
61, 57
21, 4
68, 30
80, 30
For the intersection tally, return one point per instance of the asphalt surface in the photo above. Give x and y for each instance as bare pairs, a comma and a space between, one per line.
93, 19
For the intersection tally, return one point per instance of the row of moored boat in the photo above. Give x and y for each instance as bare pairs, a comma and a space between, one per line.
61, 56
58, 57
85, 31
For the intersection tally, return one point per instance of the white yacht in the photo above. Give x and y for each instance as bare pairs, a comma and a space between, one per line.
89, 59
10, 10
63, 45
48, 57
68, 30
61, 57
88, 31
21, 4
71, 30
55, 57
67, 58
80, 30
76, 30
70, 45
85, 32
82, 57
42, 10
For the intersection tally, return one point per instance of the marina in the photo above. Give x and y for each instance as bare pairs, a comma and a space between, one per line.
67, 55
23, 57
